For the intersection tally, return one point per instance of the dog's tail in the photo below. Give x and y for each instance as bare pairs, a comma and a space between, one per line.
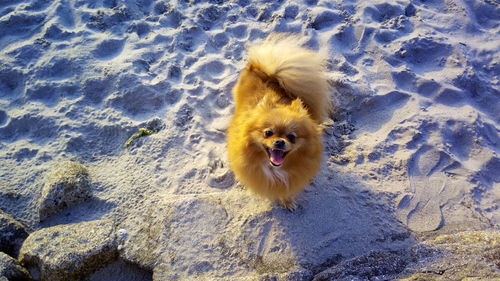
298, 70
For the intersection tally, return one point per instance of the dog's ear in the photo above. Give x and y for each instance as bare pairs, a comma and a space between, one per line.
266, 103
298, 106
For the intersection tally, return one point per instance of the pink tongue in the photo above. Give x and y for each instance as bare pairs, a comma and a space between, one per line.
277, 156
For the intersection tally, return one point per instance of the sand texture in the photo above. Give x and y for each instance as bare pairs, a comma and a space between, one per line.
410, 181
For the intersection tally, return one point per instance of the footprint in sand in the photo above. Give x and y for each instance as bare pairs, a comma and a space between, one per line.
96, 89
174, 73
427, 88
221, 177
326, 19
3, 117
345, 40
375, 112
383, 12
212, 70
486, 13
109, 49
424, 52
11, 82
219, 40
28, 126
460, 139
171, 18
184, 116
141, 29
138, 100
239, 31
189, 39
59, 69
55, 33
50, 93
65, 14
404, 80
421, 211
211, 15
450, 97
27, 54
20, 24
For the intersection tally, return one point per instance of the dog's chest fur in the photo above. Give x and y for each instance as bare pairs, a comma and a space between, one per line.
275, 175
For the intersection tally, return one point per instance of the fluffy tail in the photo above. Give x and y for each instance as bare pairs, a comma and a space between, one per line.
299, 71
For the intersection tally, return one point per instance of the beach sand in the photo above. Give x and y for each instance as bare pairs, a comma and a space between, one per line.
410, 181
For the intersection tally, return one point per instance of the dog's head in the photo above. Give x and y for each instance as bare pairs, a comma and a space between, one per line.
280, 130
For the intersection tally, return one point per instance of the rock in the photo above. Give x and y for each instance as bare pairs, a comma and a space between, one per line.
66, 184
483, 243
119, 270
11, 269
300, 275
466, 254
68, 252
377, 265
233, 235
438, 257
12, 234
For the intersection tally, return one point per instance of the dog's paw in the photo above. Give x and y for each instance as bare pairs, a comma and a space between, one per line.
290, 204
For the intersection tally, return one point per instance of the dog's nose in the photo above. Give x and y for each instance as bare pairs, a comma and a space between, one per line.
279, 144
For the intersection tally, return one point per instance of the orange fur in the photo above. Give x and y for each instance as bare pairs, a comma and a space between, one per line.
283, 90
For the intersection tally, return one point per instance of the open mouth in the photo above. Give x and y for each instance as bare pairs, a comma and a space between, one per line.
276, 156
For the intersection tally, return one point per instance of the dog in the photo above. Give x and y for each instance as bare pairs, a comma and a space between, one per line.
274, 138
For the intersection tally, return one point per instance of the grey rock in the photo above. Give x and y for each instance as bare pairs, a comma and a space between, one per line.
300, 275
379, 265
438, 257
235, 236
467, 254
120, 271
12, 234
66, 184
68, 252
11, 270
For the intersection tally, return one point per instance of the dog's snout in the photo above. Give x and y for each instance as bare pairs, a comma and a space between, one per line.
279, 144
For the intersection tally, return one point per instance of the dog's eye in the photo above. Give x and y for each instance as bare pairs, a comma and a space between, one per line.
268, 133
291, 137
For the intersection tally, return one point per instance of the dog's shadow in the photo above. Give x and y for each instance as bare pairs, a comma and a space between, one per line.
337, 218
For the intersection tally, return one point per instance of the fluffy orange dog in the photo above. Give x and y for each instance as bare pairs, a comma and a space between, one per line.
274, 138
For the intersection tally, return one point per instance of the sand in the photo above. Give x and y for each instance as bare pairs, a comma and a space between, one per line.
411, 150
